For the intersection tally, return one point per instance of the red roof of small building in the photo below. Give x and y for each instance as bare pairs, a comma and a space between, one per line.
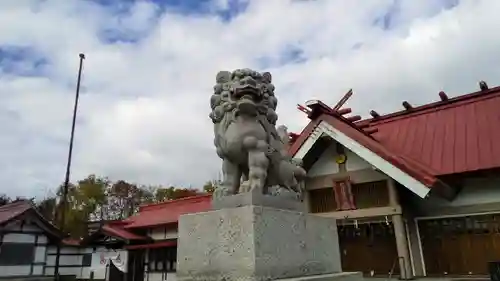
112, 229
120, 232
447, 137
168, 212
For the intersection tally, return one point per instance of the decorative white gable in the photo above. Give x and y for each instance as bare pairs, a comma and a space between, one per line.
325, 129
326, 164
355, 163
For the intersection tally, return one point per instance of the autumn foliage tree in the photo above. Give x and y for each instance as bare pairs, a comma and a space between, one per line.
96, 198
172, 193
4, 199
209, 186
124, 198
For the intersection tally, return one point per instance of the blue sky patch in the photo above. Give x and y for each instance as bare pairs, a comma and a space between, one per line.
392, 17
289, 55
386, 21
234, 9
292, 54
21, 61
450, 4
357, 46
184, 7
121, 10
112, 36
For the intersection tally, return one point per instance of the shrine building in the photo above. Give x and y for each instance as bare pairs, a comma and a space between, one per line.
415, 193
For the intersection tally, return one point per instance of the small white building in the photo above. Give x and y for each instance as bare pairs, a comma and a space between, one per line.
28, 247
25, 239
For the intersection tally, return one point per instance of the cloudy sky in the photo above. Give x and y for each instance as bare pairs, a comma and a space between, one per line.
151, 66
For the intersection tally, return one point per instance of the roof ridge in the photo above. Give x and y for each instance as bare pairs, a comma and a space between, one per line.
434, 106
22, 206
16, 203
168, 202
317, 108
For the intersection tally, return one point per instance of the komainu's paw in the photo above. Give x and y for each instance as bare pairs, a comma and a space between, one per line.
221, 191
244, 187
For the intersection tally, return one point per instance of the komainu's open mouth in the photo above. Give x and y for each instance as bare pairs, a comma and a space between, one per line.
247, 88
247, 107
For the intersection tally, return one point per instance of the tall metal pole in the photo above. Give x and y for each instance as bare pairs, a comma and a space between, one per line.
68, 166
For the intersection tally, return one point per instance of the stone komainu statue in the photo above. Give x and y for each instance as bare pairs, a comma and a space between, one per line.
253, 151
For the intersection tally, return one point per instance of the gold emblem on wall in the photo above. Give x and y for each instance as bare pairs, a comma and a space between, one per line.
340, 158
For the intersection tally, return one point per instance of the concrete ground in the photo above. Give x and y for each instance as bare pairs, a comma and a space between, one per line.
431, 279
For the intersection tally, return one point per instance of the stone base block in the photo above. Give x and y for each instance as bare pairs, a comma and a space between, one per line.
255, 243
256, 198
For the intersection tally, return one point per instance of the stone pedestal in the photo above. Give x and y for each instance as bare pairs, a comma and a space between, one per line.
253, 243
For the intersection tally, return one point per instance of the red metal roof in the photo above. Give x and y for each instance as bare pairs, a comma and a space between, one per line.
447, 137
168, 212
116, 231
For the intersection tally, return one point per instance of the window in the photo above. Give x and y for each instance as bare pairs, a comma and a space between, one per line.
322, 200
370, 194
162, 259
87, 260
17, 253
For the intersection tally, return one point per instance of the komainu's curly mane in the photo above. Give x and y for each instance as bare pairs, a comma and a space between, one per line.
222, 102
243, 110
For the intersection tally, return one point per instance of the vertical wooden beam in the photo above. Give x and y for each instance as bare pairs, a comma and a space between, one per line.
400, 234
415, 247
393, 193
343, 193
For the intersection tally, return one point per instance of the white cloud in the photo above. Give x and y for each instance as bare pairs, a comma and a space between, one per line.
144, 108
